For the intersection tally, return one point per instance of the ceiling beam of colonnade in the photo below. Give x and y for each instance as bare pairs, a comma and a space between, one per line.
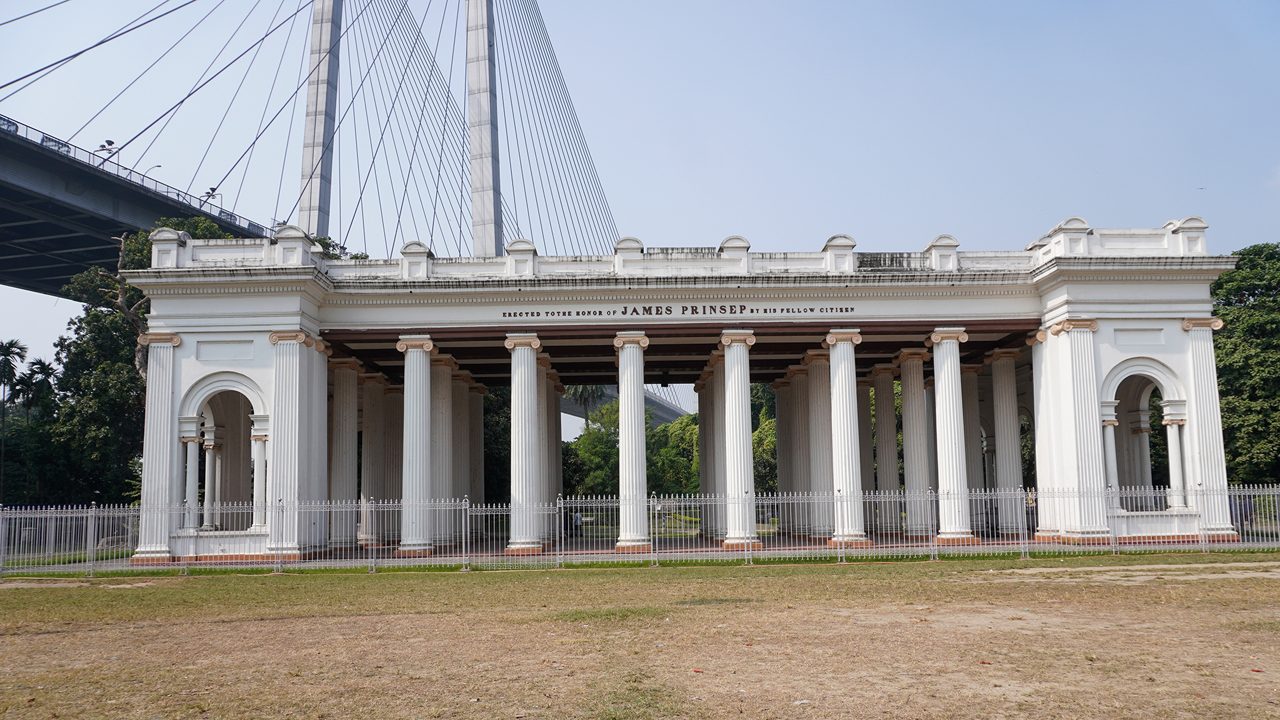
676, 354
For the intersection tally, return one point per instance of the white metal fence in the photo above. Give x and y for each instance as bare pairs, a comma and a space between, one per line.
579, 531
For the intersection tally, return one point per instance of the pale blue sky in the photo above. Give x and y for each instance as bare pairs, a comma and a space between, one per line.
788, 122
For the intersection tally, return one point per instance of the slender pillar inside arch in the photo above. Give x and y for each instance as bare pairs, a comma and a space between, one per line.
821, 482
191, 514
1008, 439
633, 531
739, 470
259, 439
1177, 466
525, 470
845, 440
1109, 423
416, 518
953, 483
915, 444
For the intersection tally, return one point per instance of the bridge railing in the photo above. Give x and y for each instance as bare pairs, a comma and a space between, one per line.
105, 163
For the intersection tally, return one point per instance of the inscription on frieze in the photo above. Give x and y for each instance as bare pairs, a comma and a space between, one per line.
681, 311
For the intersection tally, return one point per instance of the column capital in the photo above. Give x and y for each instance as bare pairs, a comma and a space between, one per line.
813, 356
630, 337
159, 338
415, 342
1074, 324
463, 376
864, 383
189, 439
912, 354
884, 369
444, 361
944, 334
797, 371
345, 363
544, 360
843, 335
324, 347
1209, 323
729, 337
1005, 354
1037, 337
1173, 421
295, 336
258, 438
478, 389
518, 340
1111, 423
970, 369
372, 377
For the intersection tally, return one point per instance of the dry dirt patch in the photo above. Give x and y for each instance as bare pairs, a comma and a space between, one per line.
896, 640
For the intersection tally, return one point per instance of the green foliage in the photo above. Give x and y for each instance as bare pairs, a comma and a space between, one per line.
764, 451
331, 249
596, 455
1248, 352
672, 456
497, 445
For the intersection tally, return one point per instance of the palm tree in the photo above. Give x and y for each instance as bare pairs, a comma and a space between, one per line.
12, 352
588, 396
35, 387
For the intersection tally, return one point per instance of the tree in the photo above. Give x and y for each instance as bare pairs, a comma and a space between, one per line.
1248, 352
12, 352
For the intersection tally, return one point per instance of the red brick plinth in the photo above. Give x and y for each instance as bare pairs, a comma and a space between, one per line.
636, 548
861, 543
743, 545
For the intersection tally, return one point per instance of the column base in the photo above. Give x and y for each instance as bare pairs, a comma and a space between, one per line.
1087, 537
957, 540
742, 544
151, 557
1222, 536
633, 546
1046, 537
524, 549
415, 550
850, 542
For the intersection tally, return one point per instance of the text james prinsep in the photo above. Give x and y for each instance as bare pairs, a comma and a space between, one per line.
677, 311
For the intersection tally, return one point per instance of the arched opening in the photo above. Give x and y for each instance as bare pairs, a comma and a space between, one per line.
226, 462
1142, 460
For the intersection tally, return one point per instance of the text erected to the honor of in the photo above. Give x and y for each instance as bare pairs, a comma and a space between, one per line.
716, 310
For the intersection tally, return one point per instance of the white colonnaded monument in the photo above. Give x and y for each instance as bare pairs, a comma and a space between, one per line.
277, 378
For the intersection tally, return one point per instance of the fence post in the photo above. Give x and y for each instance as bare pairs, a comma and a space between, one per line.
932, 505
371, 539
466, 533
279, 533
4, 540
559, 536
1024, 540
653, 529
90, 539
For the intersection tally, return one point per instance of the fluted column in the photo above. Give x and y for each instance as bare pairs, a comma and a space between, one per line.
953, 483
557, 435
1208, 482
1048, 447
210, 478
799, 448
739, 470
192, 490
373, 419
885, 513
719, 511
915, 443
821, 481
525, 468
545, 527
344, 466
1177, 478
442, 368
931, 422
416, 531
1110, 456
703, 391
844, 440
461, 388
866, 447
393, 447
477, 494
260, 437
974, 474
782, 427
633, 531
159, 448
1084, 515
1004, 394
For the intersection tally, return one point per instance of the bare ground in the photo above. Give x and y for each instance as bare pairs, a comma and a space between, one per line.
1171, 637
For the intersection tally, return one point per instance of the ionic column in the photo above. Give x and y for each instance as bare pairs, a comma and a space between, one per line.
344, 467
191, 515
210, 477
1109, 423
703, 391
739, 470
478, 393
557, 435
525, 467
159, 440
718, 511
1004, 394
1084, 515
633, 531
821, 480
931, 422
393, 447
461, 483
801, 474
915, 442
1043, 366
1208, 483
972, 427
845, 439
259, 437
783, 426
416, 531
866, 447
953, 468
885, 517
545, 527
1177, 478
372, 456
442, 369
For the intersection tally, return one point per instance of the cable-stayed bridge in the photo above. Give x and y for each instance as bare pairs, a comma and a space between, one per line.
368, 122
